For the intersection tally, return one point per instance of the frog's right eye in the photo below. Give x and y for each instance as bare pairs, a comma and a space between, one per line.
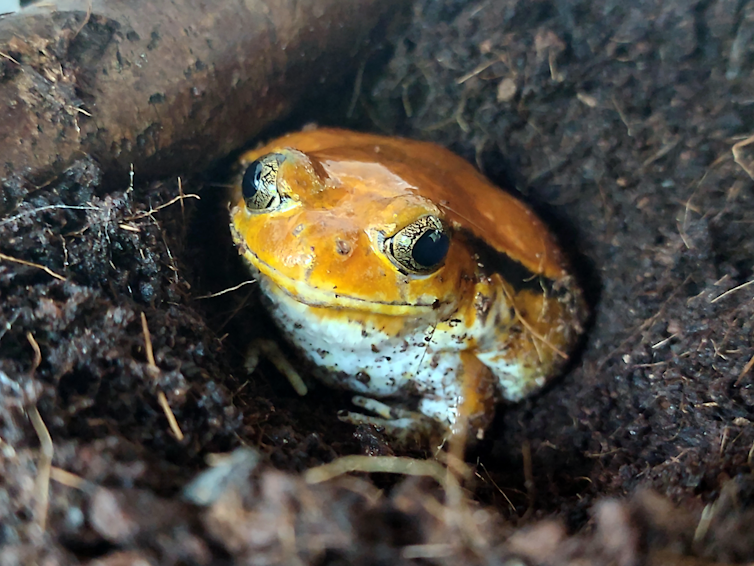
259, 184
420, 247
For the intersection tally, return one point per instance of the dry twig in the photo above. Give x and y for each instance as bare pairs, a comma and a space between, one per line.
228, 290
151, 210
737, 151
379, 464
67, 478
32, 264
172, 421
161, 398
747, 369
8, 57
733, 290
148, 341
42, 482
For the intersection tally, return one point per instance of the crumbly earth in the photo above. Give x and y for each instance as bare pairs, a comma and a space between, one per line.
617, 121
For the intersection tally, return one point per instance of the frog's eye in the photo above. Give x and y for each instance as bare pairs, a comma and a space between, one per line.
259, 184
421, 246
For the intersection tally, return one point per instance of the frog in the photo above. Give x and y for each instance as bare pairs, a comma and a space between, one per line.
398, 272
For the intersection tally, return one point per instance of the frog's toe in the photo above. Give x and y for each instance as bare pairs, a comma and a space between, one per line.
382, 409
393, 427
398, 422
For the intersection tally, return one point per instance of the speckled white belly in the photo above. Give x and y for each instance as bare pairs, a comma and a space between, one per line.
422, 360
364, 359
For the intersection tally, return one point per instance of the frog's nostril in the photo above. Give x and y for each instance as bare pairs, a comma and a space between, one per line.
342, 247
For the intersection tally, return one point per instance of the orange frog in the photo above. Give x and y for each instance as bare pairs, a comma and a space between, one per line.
398, 272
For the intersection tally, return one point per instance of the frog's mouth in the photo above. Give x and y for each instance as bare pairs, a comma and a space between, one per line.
313, 296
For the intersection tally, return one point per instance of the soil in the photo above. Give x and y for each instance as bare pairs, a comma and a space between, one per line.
624, 124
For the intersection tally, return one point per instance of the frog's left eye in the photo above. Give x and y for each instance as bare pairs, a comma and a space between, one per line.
259, 184
421, 246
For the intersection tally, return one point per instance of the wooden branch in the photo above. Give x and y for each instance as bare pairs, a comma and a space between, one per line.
163, 85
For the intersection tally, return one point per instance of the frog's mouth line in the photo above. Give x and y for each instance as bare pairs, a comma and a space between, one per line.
315, 297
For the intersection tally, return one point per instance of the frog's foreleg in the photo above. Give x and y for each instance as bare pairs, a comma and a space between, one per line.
473, 406
272, 352
400, 423
381, 409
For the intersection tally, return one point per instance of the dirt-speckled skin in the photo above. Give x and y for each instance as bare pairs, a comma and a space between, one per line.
496, 320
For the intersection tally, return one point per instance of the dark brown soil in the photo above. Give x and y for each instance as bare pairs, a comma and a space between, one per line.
615, 120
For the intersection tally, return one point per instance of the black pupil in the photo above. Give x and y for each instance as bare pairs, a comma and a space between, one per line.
250, 183
431, 248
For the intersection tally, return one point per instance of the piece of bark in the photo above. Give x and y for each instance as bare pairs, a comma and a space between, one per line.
165, 86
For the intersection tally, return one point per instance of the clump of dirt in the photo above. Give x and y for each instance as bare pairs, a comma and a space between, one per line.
615, 121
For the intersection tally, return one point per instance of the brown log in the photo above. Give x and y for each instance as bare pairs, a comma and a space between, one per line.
165, 86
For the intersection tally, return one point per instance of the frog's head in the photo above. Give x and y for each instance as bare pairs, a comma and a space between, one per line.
347, 234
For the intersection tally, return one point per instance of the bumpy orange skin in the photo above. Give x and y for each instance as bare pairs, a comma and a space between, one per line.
347, 188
